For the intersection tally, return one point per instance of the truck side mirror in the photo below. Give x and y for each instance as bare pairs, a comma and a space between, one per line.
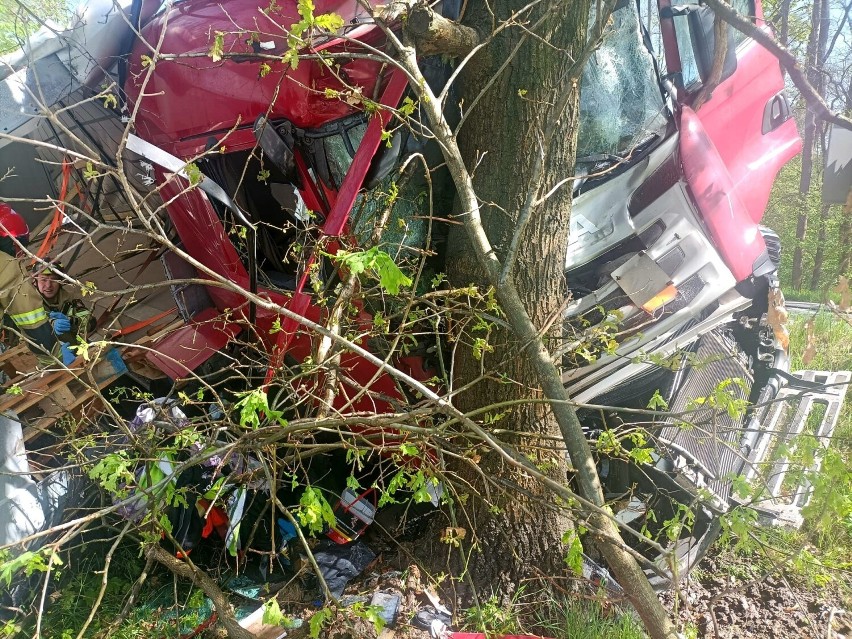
703, 37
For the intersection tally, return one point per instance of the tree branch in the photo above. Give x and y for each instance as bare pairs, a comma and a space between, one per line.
815, 102
189, 571
435, 35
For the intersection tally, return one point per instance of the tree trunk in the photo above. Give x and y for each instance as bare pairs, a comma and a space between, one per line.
784, 31
520, 105
809, 138
844, 269
528, 509
822, 238
819, 84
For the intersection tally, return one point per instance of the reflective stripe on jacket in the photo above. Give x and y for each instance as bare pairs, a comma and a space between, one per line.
21, 301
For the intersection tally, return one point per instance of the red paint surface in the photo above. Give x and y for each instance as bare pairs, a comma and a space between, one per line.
186, 348
189, 99
733, 120
354, 178
733, 231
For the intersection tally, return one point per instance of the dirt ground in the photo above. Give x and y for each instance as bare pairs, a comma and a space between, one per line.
775, 605
759, 606
725, 598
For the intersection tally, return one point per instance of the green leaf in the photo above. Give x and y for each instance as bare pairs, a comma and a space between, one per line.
318, 622
328, 22
657, 402
291, 58
740, 486
218, 46
315, 513
273, 616
379, 264
306, 9
89, 173
112, 470
574, 557
30, 562
409, 449
407, 107
193, 173
254, 408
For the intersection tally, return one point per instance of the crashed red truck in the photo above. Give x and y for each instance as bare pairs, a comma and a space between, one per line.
665, 236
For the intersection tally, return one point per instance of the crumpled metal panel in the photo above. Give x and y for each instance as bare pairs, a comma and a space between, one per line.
26, 506
706, 443
791, 416
28, 92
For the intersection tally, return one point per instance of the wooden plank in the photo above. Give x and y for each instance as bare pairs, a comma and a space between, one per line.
17, 359
42, 424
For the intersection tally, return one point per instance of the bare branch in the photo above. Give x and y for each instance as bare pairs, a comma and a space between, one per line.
814, 100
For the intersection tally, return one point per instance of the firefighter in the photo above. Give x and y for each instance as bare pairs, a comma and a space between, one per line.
19, 299
72, 320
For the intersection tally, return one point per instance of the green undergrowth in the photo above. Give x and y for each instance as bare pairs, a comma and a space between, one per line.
828, 526
584, 619
785, 552
814, 297
166, 608
553, 615
820, 554
833, 341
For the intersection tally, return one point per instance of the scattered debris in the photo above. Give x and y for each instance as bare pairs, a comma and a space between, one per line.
389, 604
340, 564
353, 514
428, 615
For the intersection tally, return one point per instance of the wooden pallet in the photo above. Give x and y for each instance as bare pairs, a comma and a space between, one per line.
41, 398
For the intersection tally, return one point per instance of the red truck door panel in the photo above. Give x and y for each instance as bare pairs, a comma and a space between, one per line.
747, 117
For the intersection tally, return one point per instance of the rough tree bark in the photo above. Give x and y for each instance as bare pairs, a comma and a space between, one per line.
822, 238
525, 90
504, 134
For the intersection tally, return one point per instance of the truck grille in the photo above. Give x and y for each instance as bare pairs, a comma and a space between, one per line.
708, 439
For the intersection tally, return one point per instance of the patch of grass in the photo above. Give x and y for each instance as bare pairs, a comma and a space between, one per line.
492, 618
165, 609
829, 526
587, 619
833, 341
553, 615
815, 297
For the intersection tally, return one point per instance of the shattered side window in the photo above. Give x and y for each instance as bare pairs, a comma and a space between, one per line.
620, 101
689, 66
340, 149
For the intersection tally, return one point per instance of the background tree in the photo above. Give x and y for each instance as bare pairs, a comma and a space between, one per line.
17, 19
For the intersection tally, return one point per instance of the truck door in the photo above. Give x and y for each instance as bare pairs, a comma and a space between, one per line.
747, 116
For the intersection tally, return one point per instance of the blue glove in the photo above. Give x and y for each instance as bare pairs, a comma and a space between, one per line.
61, 322
68, 355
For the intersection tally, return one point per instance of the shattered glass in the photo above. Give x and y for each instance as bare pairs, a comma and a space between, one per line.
621, 105
339, 152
